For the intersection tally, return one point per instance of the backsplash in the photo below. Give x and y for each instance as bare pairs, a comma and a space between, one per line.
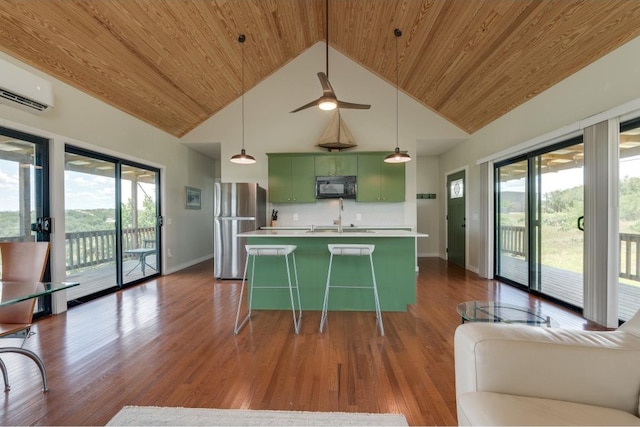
323, 212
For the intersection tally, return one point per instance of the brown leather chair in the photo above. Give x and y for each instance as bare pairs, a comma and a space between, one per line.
23, 262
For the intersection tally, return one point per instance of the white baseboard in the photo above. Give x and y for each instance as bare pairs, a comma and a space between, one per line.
188, 264
428, 255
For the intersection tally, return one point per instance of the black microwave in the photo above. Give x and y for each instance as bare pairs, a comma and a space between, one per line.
334, 187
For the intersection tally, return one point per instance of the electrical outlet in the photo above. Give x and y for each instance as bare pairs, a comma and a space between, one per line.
358, 217
169, 254
295, 216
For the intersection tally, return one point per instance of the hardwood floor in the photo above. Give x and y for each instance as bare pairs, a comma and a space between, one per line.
170, 342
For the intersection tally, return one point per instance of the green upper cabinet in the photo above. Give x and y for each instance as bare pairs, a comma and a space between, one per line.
336, 165
292, 179
379, 181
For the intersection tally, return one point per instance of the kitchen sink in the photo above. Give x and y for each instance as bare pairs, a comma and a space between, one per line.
344, 230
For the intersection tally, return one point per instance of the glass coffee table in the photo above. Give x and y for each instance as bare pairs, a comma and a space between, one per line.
494, 311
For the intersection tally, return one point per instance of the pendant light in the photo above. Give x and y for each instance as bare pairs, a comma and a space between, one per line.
243, 158
397, 156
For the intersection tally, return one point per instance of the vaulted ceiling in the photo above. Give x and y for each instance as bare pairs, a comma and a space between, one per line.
175, 63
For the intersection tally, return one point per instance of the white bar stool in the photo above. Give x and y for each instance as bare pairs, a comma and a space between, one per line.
254, 251
345, 249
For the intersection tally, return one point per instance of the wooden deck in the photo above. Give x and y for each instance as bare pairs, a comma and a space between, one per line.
568, 286
103, 276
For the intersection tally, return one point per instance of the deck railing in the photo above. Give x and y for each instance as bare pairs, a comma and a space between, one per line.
89, 248
512, 242
630, 256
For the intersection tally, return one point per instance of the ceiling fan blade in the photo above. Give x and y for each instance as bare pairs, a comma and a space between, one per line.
342, 104
305, 106
327, 92
326, 86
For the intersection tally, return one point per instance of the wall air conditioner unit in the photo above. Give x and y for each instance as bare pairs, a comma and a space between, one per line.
24, 90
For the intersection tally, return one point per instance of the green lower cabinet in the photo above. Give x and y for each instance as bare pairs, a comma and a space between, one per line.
394, 264
379, 181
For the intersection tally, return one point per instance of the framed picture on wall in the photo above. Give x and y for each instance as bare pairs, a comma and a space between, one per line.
193, 198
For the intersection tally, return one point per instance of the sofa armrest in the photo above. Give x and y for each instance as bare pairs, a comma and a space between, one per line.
596, 368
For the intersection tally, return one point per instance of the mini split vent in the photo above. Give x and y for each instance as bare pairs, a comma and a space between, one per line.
24, 90
22, 101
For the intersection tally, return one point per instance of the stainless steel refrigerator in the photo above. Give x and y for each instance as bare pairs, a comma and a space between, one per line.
238, 207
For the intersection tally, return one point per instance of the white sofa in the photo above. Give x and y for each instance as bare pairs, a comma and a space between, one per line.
525, 375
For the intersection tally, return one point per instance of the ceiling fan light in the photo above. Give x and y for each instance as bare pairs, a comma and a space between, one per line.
397, 157
328, 104
243, 158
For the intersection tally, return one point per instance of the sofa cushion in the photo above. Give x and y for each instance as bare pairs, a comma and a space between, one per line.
486, 408
597, 368
632, 326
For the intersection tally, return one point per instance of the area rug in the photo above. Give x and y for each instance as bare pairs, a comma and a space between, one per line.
163, 416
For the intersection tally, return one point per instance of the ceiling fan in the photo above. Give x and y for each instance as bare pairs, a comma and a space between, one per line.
329, 100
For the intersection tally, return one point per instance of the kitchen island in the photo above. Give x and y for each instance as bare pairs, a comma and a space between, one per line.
394, 261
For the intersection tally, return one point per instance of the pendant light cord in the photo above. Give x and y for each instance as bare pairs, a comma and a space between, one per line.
241, 39
397, 33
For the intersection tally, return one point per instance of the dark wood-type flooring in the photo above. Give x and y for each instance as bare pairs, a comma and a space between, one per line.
170, 342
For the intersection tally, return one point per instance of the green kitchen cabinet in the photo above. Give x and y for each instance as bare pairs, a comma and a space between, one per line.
379, 181
292, 179
336, 165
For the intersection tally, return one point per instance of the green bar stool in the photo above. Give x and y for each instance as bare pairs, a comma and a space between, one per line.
347, 249
285, 251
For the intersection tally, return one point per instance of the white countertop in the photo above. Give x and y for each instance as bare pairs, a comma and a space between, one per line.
330, 233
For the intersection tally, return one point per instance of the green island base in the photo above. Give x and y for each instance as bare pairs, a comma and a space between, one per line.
394, 262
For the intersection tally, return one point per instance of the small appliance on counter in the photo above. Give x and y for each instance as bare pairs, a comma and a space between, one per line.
238, 207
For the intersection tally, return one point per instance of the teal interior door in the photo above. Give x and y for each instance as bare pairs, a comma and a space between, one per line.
456, 221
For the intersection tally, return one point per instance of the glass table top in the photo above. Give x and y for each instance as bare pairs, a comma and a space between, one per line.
14, 292
494, 311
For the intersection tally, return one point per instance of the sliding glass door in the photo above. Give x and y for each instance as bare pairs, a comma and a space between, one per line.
512, 255
139, 214
90, 223
24, 193
557, 206
629, 220
112, 222
539, 203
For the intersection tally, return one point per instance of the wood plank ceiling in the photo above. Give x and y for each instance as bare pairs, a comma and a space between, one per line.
174, 63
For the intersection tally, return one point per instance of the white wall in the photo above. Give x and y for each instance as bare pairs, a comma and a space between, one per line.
83, 121
270, 128
427, 181
607, 83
